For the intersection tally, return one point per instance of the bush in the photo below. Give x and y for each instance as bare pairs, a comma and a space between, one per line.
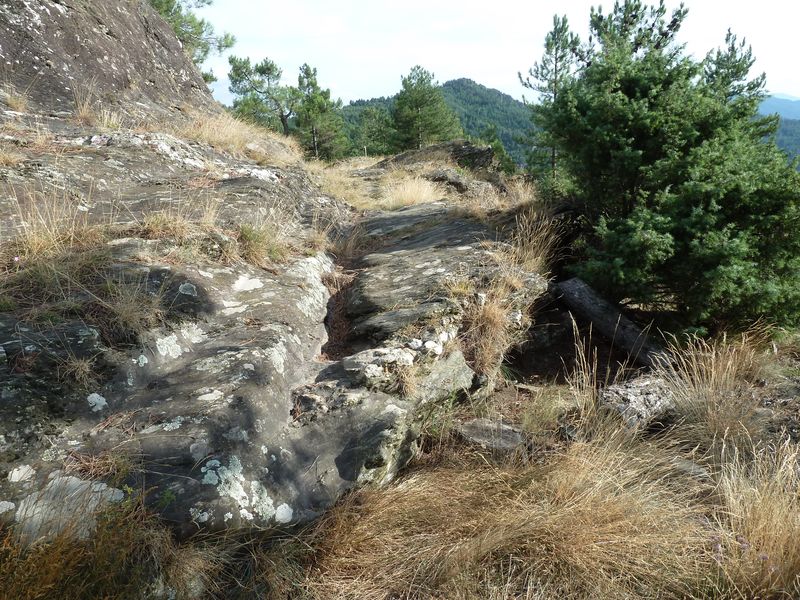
684, 204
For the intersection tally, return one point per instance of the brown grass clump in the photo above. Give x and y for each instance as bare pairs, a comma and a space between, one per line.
601, 519
84, 98
117, 562
225, 132
713, 387
338, 182
16, 99
758, 547
409, 190
9, 158
262, 242
488, 331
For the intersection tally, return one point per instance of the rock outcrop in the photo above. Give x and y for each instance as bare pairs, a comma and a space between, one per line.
122, 52
145, 349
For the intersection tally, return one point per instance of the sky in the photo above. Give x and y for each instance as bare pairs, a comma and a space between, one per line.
361, 48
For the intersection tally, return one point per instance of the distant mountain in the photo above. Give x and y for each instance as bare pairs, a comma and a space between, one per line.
476, 106
789, 136
781, 105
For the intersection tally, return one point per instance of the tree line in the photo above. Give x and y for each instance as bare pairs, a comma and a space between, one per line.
681, 199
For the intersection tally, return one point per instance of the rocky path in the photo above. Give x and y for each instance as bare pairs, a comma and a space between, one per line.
228, 412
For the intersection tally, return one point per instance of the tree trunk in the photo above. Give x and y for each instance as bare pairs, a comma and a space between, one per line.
285, 123
609, 321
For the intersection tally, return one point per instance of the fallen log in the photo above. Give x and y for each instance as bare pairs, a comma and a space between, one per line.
608, 320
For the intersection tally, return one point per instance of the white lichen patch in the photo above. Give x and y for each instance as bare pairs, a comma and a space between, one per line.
6, 506
96, 402
262, 503
174, 424
199, 450
211, 396
231, 483
169, 346
284, 513
199, 516
247, 284
277, 355
22, 473
193, 334
237, 434
141, 361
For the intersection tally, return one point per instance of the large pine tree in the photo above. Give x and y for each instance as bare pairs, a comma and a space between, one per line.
684, 203
420, 114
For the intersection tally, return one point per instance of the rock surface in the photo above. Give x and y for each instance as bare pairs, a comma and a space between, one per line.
493, 434
641, 402
53, 49
224, 404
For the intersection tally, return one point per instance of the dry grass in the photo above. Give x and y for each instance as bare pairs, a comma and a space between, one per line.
713, 386
125, 309
758, 546
601, 519
9, 158
488, 331
51, 224
400, 191
115, 563
225, 132
16, 99
264, 241
81, 371
109, 119
338, 182
84, 97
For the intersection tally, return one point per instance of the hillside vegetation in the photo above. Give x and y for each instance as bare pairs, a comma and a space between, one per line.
239, 363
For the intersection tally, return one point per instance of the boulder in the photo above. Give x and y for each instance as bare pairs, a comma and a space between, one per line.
641, 401
493, 434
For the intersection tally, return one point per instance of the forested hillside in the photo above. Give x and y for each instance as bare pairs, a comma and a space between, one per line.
786, 108
789, 136
477, 107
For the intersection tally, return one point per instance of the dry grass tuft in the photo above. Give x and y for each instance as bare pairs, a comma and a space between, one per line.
109, 119
409, 190
602, 518
84, 98
16, 99
488, 331
758, 546
713, 386
263, 242
113, 465
225, 132
167, 224
81, 371
338, 182
120, 560
125, 309
9, 158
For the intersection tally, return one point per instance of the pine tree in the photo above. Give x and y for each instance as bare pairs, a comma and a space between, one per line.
420, 114
260, 95
319, 119
546, 78
197, 35
375, 131
684, 203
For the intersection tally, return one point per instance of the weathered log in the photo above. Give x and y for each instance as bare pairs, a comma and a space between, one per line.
608, 320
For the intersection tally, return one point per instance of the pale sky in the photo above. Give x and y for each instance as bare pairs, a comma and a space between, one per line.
361, 48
